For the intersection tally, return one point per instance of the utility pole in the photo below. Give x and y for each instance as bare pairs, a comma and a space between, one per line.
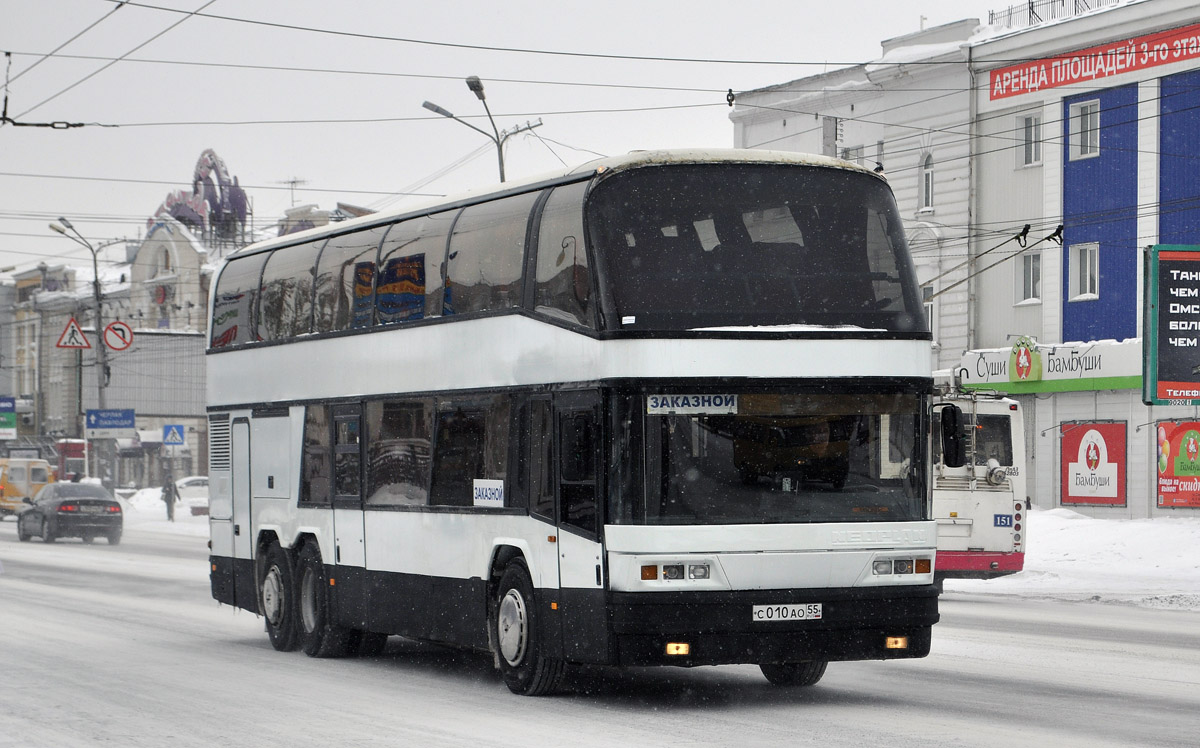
497, 136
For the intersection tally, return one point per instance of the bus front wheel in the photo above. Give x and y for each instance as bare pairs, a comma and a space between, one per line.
276, 597
526, 668
794, 673
320, 636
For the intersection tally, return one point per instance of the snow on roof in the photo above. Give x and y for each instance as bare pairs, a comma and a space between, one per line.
987, 33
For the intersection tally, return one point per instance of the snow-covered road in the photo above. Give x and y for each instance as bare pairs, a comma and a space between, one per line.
122, 645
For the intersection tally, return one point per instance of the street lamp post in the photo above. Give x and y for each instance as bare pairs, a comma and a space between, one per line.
62, 227
496, 136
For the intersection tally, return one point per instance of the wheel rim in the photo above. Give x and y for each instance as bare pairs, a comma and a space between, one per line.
512, 627
272, 596
308, 598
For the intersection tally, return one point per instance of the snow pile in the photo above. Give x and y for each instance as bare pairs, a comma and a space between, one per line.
145, 510
1151, 563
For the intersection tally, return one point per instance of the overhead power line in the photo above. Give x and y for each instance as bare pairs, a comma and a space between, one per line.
94, 73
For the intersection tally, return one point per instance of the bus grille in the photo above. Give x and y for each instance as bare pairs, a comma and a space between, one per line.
218, 443
963, 483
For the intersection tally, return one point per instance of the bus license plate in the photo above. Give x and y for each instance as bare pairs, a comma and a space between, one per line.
797, 612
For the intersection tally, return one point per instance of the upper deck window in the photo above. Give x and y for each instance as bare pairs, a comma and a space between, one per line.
795, 246
235, 301
286, 301
486, 257
410, 269
346, 281
564, 280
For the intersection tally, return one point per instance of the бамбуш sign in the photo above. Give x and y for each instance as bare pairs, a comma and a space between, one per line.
1171, 333
1093, 463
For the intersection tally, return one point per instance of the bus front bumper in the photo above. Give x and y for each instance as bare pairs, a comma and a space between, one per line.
718, 628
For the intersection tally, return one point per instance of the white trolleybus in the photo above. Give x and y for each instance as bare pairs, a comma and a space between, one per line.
664, 409
980, 506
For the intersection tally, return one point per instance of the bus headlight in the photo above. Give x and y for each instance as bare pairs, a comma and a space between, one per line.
672, 571
881, 566
698, 571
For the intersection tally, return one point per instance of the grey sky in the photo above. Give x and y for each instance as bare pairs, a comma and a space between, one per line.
118, 176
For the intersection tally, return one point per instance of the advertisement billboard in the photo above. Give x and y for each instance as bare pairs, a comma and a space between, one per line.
1171, 368
1093, 463
1178, 467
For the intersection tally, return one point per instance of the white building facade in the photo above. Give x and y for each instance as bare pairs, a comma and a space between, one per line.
1034, 161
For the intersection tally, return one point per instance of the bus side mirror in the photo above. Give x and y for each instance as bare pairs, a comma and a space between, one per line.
954, 447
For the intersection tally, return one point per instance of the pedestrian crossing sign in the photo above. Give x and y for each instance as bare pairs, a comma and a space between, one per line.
173, 435
73, 337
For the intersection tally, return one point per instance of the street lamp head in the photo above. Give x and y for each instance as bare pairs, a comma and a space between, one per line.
437, 109
66, 223
476, 86
59, 228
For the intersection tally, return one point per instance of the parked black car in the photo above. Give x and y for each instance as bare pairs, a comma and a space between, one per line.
71, 510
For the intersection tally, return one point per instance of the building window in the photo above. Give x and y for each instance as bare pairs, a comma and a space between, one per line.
1031, 139
1029, 284
1084, 271
927, 182
927, 299
1085, 129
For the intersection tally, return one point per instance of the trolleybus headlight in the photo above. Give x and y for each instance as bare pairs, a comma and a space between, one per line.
672, 571
698, 571
903, 566
882, 566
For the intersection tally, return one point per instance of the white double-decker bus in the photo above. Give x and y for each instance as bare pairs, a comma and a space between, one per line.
664, 409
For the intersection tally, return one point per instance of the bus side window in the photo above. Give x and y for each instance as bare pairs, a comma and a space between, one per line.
398, 449
564, 283
316, 472
541, 459
346, 459
345, 281
457, 457
577, 469
286, 296
487, 251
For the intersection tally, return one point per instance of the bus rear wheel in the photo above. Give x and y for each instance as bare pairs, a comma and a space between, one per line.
276, 599
320, 636
794, 673
515, 630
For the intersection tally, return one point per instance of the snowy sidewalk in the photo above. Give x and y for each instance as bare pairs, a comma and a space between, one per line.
1152, 563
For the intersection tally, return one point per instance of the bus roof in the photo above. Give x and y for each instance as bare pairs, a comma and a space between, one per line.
601, 166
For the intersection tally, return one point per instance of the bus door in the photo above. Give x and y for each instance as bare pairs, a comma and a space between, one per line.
349, 550
245, 587
578, 450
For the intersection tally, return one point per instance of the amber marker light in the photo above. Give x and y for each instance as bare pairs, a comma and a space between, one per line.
649, 573
924, 565
897, 642
679, 648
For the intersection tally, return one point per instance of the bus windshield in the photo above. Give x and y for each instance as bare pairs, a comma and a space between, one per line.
771, 458
689, 247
